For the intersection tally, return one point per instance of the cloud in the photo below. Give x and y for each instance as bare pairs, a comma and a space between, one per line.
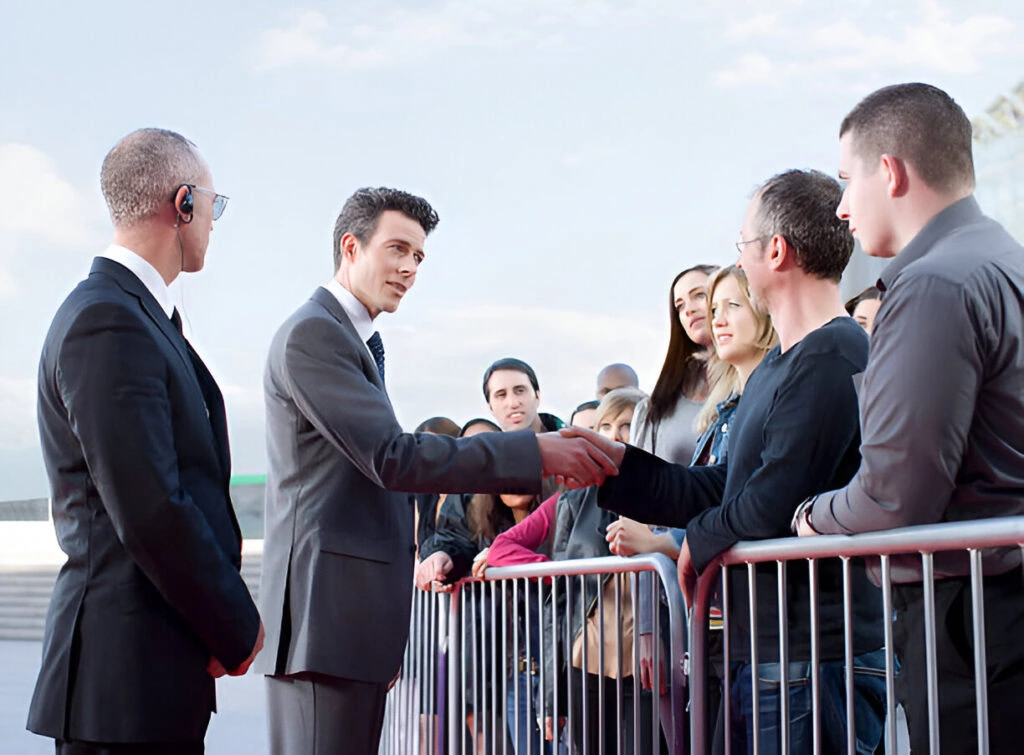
38, 206
398, 36
804, 49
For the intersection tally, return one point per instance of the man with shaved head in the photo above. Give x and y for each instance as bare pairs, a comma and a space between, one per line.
614, 376
150, 605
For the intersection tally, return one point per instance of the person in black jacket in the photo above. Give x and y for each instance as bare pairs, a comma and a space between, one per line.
467, 524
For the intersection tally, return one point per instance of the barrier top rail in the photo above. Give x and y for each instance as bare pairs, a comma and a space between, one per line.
987, 533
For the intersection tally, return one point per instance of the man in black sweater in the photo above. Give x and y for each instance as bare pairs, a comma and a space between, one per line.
795, 434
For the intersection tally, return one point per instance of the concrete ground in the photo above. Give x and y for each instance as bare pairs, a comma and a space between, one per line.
239, 727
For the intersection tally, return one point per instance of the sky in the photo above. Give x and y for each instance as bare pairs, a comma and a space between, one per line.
579, 153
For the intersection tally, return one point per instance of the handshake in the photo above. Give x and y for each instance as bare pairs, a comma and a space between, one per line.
578, 458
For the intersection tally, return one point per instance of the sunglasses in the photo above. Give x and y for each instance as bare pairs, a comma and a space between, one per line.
219, 200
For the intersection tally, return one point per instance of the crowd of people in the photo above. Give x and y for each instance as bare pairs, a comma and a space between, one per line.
773, 415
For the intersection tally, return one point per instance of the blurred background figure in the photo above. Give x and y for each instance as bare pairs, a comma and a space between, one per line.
614, 376
584, 415
663, 424
864, 306
428, 504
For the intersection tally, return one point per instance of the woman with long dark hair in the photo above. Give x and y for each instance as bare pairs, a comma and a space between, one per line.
664, 423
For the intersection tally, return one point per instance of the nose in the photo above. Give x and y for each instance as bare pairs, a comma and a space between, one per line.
719, 320
842, 211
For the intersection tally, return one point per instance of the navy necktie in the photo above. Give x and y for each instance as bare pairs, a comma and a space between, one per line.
377, 349
176, 319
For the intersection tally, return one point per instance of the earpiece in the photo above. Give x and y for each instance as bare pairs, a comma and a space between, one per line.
187, 206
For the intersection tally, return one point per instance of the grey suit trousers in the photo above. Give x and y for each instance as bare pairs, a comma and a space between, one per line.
316, 714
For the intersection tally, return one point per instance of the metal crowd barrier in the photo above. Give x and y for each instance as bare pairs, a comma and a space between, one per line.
475, 654
923, 543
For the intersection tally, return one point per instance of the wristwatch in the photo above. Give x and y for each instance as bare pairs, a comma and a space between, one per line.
803, 511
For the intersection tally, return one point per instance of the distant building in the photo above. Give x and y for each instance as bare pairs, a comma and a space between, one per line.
999, 160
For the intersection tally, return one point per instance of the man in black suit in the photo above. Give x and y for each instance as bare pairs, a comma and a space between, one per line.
150, 605
338, 550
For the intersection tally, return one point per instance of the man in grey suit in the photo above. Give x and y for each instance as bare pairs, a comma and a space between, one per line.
339, 548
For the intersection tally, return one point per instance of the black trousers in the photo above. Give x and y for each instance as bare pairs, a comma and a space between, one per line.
595, 725
954, 635
315, 714
133, 748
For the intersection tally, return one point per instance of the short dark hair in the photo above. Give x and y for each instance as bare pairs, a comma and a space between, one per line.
592, 404
920, 124
439, 426
510, 363
363, 209
868, 294
479, 421
800, 206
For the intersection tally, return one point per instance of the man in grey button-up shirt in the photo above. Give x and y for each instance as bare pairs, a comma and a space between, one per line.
942, 400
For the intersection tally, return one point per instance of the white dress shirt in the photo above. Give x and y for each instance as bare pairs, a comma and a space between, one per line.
355, 310
145, 272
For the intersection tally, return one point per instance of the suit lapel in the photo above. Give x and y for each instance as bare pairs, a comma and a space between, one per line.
327, 300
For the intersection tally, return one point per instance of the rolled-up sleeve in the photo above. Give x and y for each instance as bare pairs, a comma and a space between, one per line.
917, 403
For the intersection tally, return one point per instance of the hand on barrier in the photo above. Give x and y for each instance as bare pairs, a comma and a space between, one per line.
216, 669
647, 665
550, 734
578, 458
627, 537
480, 564
433, 571
687, 574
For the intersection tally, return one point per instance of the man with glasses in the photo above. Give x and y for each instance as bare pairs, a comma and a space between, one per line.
795, 433
150, 606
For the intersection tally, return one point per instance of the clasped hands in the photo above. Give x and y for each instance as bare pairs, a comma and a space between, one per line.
578, 458
216, 669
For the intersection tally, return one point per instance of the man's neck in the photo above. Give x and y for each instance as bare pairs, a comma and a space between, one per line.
159, 250
918, 211
538, 425
343, 279
808, 304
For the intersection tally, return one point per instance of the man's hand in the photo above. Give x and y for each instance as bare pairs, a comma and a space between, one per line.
394, 681
578, 459
627, 537
647, 665
550, 734
480, 564
433, 571
687, 574
216, 669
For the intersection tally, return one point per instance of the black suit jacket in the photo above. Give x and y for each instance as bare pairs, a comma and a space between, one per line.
338, 550
139, 476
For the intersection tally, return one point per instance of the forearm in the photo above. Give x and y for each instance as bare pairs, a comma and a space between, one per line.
654, 491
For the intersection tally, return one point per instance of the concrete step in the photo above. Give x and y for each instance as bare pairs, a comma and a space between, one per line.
25, 596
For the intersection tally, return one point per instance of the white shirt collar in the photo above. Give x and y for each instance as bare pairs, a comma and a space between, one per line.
354, 308
145, 272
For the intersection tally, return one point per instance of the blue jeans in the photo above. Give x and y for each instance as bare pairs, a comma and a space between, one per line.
529, 734
869, 706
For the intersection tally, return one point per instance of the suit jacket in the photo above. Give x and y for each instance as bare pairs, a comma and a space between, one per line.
139, 482
338, 549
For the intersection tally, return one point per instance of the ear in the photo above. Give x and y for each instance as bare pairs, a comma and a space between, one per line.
778, 252
183, 211
349, 246
894, 171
